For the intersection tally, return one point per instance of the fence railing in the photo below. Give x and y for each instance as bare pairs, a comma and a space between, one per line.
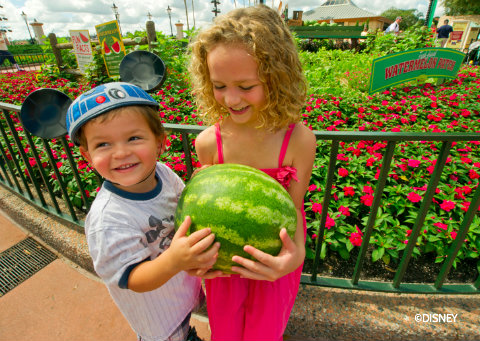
22, 159
27, 62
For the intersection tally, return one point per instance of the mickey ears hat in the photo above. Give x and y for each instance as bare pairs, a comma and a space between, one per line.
49, 113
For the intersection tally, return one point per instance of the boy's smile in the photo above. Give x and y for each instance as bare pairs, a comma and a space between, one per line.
123, 149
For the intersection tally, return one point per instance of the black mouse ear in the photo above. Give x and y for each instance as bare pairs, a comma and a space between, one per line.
143, 69
44, 111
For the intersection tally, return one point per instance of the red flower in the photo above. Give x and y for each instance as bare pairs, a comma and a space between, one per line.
344, 210
367, 199
316, 207
367, 190
349, 191
472, 174
329, 223
441, 225
453, 234
342, 172
447, 205
356, 237
414, 197
414, 163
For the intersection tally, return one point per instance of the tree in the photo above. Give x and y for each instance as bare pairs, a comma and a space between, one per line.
410, 17
461, 7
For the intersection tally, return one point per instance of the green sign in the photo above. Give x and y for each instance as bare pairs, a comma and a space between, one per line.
401, 67
113, 49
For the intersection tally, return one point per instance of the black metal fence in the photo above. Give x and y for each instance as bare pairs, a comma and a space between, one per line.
51, 176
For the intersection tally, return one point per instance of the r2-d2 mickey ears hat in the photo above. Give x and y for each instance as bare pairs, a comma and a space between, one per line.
49, 113
102, 99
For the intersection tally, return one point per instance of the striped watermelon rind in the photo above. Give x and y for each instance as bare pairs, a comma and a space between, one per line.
242, 205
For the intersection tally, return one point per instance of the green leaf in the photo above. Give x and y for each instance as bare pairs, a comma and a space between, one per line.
343, 253
377, 254
309, 253
323, 251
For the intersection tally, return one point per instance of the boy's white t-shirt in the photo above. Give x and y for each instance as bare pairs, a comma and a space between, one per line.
124, 229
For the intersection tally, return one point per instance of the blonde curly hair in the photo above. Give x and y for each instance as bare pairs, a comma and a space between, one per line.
266, 37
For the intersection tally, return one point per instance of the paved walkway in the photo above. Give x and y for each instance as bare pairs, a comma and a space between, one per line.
62, 302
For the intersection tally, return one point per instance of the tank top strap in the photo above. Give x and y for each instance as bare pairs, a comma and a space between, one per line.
218, 135
286, 139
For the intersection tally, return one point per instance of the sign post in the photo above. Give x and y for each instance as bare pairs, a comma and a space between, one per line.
401, 67
111, 42
82, 47
458, 36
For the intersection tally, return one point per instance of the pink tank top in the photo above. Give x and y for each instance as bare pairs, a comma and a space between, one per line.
283, 174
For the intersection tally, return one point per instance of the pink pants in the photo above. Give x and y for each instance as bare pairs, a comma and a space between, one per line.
245, 309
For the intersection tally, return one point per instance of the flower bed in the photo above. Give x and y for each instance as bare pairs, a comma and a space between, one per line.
451, 107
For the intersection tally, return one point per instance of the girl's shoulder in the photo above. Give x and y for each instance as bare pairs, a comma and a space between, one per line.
206, 137
302, 136
206, 146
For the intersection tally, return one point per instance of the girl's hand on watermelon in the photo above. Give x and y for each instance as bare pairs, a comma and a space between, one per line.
199, 169
193, 252
268, 267
207, 273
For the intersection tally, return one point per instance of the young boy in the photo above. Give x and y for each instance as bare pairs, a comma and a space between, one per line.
129, 228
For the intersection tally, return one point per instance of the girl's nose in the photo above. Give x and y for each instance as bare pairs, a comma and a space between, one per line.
232, 98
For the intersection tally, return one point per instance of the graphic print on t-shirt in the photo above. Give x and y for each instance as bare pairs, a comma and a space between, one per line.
163, 229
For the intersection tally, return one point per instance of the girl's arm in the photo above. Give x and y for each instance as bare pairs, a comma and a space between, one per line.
301, 149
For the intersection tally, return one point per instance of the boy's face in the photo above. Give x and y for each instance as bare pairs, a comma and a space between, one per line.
124, 150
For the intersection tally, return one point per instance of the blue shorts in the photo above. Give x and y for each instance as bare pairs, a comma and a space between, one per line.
6, 55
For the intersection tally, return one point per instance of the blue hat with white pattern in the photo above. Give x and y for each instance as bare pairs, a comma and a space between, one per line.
102, 99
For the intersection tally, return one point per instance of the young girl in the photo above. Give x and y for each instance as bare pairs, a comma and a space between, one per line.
248, 79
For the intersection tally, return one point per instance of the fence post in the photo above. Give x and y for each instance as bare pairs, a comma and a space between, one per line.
56, 50
151, 34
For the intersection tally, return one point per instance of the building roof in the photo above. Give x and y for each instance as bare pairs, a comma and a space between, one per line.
337, 9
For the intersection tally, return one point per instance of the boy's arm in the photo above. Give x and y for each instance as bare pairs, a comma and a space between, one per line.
185, 253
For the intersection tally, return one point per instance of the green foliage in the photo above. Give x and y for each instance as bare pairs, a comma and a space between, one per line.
25, 49
173, 53
414, 37
410, 17
335, 71
461, 7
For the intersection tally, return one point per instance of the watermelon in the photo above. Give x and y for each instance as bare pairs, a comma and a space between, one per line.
105, 48
242, 205
84, 38
116, 47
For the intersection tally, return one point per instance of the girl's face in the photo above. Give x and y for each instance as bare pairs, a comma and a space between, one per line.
236, 86
124, 150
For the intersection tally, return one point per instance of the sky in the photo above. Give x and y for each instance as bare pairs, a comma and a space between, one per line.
60, 16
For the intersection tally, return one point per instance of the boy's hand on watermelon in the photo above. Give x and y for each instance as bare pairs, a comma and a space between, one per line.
193, 252
268, 267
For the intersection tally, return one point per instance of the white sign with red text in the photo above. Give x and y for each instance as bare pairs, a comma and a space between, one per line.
82, 47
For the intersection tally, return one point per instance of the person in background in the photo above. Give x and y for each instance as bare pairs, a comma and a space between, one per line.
4, 53
443, 32
364, 33
395, 26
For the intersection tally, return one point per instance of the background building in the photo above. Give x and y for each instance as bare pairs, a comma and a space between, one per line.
345, 13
